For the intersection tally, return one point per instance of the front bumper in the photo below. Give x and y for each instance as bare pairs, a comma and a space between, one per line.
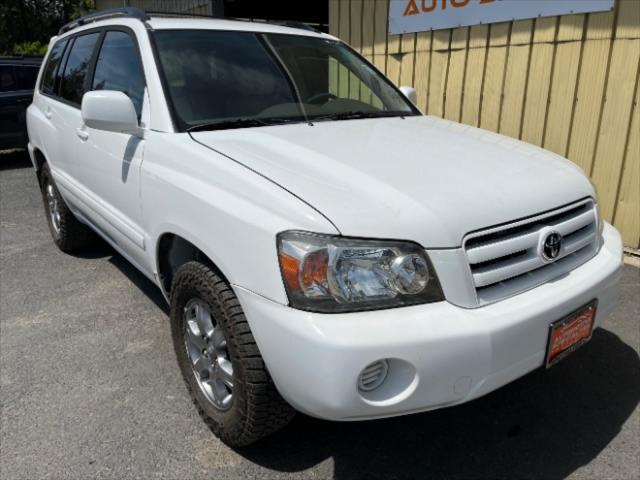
441, 354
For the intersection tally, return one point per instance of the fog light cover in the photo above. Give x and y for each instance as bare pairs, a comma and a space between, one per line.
373, 375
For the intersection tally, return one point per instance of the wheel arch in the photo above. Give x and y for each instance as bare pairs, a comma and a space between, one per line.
174, 250
39, 159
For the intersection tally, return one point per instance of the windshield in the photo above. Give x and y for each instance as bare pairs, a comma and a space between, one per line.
228, 79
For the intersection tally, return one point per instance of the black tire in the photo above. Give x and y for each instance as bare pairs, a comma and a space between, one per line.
70, 234
257, 409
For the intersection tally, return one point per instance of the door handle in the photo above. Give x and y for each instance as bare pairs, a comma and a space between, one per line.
82, 134
47, 113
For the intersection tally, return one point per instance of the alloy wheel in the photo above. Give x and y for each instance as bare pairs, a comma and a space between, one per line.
207, 349
54, 207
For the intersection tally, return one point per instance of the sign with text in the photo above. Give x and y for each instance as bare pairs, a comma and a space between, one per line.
406, 16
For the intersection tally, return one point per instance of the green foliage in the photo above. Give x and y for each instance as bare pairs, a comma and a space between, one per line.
30, 48
26, 23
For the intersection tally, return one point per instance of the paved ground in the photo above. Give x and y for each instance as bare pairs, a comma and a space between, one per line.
90, 388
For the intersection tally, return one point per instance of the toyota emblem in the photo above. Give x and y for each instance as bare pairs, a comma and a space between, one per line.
551, 246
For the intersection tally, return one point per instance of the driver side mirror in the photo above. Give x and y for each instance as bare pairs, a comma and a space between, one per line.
111, 111
410, 93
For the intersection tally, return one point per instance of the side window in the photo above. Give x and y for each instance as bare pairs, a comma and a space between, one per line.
72, 82
49, 75
119, 68
27, 77
7, 79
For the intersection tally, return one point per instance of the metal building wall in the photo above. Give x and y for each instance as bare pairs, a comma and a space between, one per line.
568, 84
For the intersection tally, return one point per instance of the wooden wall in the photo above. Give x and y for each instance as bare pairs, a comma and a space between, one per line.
568, 84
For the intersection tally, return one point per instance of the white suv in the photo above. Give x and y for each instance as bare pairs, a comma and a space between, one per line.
324, 247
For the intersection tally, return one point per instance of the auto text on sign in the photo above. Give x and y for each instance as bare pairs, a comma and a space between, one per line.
406, 16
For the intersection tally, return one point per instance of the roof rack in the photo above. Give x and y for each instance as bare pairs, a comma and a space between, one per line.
130, 12
282, 23
143, 16
157, 13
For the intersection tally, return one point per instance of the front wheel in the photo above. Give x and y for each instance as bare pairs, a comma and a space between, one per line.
220, 361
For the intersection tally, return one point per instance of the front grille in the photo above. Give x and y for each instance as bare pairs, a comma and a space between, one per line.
506, 260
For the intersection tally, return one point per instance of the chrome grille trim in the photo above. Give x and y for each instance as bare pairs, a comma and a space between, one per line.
505, 260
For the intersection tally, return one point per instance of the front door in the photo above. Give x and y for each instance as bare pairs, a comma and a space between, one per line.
110, 163
103, 168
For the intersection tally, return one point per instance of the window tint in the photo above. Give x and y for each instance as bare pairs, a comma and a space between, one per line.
7, 78
321, 69
49, 75
72, 85
26, 77
118, 68
217, 75
17, 77
214, 77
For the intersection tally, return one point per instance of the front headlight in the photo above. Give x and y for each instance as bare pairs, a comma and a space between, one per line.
328, 274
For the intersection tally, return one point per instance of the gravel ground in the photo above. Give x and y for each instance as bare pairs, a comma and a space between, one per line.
90, 388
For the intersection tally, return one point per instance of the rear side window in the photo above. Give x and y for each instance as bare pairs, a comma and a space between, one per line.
50, 71
72, 83
119, 68
26, 76
7, 79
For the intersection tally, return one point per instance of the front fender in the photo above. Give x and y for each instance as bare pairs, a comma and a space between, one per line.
229, 212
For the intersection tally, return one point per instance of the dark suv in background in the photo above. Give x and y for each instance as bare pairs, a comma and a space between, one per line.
17, 80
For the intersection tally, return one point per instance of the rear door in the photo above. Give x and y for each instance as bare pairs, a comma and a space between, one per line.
45, 124
66, 109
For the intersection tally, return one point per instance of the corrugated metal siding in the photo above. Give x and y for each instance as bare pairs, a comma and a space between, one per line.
568, 84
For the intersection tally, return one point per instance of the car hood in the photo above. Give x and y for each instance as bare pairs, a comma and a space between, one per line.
420, 178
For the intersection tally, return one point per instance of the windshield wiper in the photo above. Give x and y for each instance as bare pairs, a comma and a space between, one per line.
264, 122
353, 114
239, 123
